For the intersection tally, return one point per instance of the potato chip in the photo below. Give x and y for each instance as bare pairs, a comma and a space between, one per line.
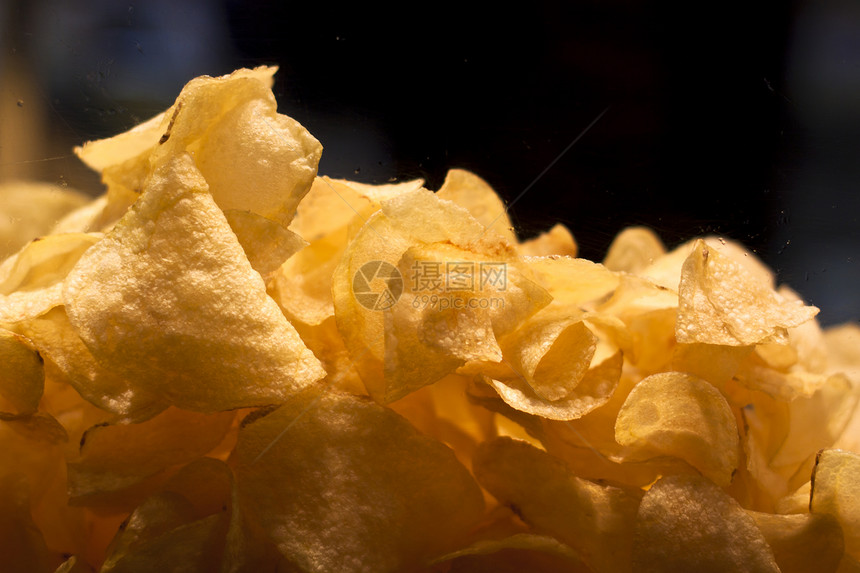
115, 457
633, 249
150, 285
365, 492
446, 292
31, 281
836, 491
267, 244
595, 520
802, 543
22, 378
22, 223
558, 241
681, 415
475, 195
591, 391
686, 523
721, 303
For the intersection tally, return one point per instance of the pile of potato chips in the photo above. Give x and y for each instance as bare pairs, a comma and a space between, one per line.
228, 363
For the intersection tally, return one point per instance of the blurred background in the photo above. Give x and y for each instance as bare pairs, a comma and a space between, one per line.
736, 118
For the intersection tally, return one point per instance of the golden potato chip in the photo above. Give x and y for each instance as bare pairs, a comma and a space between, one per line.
595, 520
686, 523
71, 362
22, 378
364, 490
558, 241
475, 195
721, 303
267, 244
681, 415
836, 491
150, 286
573, 282
31, 280
802, 543
445, 292
114, 457
591, 391
74, 565
22, 223
633, 249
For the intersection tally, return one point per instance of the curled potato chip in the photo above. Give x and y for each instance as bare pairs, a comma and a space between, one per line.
595, 520
591, 391
686, 523
681, 415
720, 302
836, 491
151, 285
366, 492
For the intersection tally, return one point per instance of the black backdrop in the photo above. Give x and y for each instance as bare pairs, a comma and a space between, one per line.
712, 119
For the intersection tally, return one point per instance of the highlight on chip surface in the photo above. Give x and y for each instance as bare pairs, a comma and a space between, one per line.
229, 362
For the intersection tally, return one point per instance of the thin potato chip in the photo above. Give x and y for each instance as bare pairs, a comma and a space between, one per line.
474, 194
802, 543
150, 285
681, 415
721, 303
836, 491
22, 223
686, 523
633, 249
595, 520
22, 378
558, 241
365, 491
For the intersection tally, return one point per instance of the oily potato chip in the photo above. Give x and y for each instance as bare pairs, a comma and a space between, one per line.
720, 302
594, 520
686, 523
802, 542
836, 491
681, 415
156, 304
343, 484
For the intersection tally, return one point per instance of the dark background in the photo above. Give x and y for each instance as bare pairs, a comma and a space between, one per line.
735, 118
